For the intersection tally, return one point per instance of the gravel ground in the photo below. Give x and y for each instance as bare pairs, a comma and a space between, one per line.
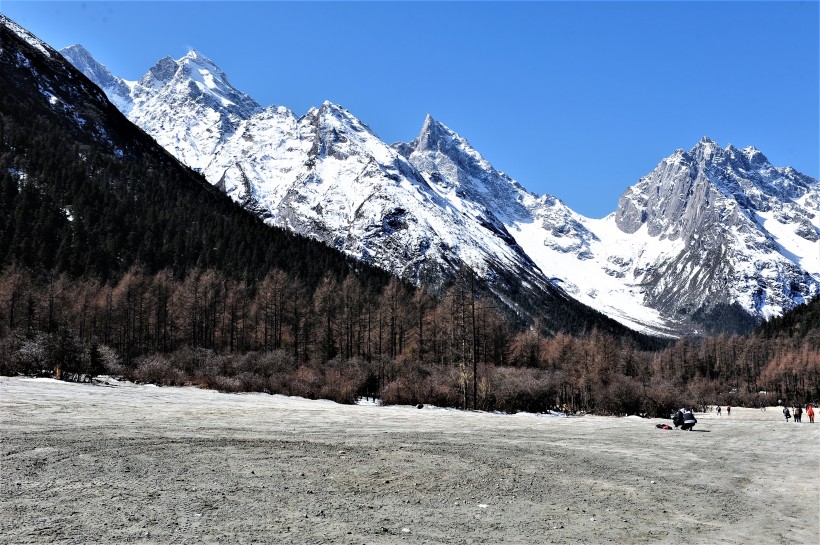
125, 463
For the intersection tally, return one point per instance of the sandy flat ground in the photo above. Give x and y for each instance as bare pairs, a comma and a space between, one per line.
134, 463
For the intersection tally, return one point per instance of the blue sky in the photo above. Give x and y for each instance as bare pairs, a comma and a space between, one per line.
575, 99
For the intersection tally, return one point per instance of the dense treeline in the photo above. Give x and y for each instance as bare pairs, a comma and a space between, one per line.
801, 322
341, 340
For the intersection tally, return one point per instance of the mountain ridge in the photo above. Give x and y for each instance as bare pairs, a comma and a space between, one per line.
657, 263
107, 198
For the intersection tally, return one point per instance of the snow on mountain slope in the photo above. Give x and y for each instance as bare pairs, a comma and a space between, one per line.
327, 175
188, 106
26, 36
708, 229
116, 89
687, 239
559, 241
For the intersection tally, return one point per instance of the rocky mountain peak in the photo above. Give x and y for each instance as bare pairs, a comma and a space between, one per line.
160, 74
77, 51
334, 110
754, 156
117, 90
436, 136
196, 56
196, 66
706, 150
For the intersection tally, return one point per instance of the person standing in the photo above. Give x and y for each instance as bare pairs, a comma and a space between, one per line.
728, 410
810, 413
718, 410
798, 414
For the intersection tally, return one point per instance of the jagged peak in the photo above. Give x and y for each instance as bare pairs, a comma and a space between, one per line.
199, 74
706, 150
430, 123
274, 110
82, 58
161, 73
709, 151
195, 54
334, 115
754, 156
327, 105
679, 156
76, 49
435, 135
336, 110
705, 144
194, 57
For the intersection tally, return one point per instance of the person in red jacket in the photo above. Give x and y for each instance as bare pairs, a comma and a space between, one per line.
810, 413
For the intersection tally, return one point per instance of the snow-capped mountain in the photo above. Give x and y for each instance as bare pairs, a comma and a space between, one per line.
325, 174
562, 243
116, 89
709, 232
187, 105
747, 231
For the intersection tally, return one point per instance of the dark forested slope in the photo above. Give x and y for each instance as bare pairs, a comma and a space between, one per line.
84, 191
798, 323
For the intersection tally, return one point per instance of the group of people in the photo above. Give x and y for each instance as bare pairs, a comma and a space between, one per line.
684, 419
728, 410
798, 413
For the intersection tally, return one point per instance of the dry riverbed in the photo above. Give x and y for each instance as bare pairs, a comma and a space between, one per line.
129, 463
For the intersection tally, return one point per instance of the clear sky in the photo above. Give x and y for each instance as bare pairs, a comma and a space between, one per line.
575, 99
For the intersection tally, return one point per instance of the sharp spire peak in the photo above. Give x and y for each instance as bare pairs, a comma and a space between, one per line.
75, 47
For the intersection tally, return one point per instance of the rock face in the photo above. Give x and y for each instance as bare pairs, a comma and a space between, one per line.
713, 239
747, 232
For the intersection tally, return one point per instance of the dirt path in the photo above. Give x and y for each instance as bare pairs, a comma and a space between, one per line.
128, 463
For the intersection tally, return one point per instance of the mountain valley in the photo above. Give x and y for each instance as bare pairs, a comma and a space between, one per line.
714, 239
